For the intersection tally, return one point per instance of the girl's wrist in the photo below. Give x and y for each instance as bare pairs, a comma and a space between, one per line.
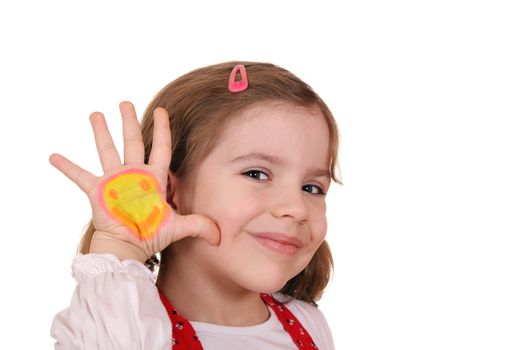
103, 243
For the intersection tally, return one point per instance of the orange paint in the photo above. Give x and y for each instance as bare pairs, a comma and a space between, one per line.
113, 194
144, 184
133, 198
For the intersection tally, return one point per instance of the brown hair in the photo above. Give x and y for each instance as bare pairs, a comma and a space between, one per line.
200, 105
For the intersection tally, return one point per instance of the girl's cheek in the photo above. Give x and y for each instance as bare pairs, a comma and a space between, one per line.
250, 199
321, 228
247, 207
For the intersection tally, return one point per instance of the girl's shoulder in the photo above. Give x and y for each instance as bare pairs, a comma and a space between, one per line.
310, 316
301, 307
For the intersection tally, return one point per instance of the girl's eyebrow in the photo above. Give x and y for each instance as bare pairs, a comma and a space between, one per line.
258, 156
277, 161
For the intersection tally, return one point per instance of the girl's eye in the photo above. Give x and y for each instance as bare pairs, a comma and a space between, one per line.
313, 189
256, 174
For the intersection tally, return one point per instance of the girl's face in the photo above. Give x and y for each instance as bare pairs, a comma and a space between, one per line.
267, 175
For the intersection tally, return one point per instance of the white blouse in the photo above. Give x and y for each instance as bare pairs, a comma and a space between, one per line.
116, 305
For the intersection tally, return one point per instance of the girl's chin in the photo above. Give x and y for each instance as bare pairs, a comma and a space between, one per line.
266, 284
268, 279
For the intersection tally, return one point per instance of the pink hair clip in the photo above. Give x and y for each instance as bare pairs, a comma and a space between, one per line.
241, 85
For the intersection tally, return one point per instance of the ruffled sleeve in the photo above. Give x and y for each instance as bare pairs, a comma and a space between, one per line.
115, 305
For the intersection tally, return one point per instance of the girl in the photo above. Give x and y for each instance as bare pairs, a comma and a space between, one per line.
226, 178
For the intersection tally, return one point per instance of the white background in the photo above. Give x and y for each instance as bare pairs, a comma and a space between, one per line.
428, 230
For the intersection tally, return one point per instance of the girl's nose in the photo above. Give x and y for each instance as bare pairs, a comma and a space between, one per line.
290, 203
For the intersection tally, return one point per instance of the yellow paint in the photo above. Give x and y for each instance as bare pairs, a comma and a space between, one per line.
133, 198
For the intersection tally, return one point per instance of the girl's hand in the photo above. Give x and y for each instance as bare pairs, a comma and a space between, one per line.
130, 213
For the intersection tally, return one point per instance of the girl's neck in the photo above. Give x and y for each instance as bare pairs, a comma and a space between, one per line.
199, 296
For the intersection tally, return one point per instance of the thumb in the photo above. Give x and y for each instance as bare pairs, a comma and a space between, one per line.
196, 225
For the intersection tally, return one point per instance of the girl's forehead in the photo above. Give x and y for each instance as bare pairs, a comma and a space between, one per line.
271, 107
282, 129
273, 116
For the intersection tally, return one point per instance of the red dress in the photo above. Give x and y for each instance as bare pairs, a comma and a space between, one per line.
185, 337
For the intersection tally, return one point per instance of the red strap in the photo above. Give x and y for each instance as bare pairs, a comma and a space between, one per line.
291, 324
185, 337
183, 334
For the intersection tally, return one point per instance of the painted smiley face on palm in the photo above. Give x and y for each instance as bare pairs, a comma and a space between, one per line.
133, 198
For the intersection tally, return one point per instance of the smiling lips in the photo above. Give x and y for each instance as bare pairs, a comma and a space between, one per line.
279, 242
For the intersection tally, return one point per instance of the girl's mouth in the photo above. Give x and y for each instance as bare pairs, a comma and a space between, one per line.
282, 247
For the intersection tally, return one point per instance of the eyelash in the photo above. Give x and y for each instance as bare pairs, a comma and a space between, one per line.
321, 192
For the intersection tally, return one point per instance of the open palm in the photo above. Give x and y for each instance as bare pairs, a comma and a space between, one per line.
130, 212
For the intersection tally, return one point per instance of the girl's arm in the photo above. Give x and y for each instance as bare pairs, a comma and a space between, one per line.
115, 305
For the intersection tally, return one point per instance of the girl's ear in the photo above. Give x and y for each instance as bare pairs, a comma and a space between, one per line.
173, 191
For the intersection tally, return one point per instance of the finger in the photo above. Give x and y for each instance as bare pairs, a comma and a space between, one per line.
84, 179
133, 145
161, 147
109, 157
196, 225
